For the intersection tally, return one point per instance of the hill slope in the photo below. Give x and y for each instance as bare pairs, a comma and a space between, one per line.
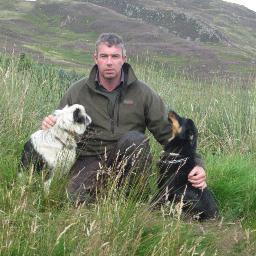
201, 37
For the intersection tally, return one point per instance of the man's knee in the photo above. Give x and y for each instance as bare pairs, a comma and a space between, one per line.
82, 182
132, 140
133, 147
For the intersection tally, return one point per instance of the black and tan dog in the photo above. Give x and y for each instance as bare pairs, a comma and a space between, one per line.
178, 159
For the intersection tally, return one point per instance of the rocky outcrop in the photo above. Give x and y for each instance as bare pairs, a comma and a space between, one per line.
179, 23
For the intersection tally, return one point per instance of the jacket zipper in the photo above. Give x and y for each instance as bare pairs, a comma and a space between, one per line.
112, 121
112, 115
112, 125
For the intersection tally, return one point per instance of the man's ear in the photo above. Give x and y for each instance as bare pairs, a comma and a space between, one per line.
95, 57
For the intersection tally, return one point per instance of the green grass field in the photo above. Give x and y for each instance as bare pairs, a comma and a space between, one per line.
33, 223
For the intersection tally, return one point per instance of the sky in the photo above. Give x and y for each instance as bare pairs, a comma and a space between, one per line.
250, 4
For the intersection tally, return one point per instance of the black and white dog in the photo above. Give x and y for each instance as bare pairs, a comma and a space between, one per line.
55, 148
178, 159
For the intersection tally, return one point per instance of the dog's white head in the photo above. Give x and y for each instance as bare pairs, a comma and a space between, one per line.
73, 119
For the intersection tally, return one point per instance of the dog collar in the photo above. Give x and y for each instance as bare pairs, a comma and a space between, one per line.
174, 154
174, 161
68, 146
70, 133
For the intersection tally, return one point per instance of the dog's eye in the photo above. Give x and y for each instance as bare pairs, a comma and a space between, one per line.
78, 118
81, 120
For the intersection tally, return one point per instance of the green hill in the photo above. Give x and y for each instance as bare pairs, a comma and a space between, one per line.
202, 38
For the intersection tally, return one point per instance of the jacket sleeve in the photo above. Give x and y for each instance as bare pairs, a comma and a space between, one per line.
199, 161
66, 100
72, 94
156, 118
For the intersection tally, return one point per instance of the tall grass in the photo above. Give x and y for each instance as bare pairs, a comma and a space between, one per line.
33, 223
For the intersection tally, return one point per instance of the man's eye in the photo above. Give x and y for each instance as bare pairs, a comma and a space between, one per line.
115, 56
103, 56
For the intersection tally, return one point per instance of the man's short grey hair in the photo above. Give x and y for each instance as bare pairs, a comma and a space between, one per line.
110, 39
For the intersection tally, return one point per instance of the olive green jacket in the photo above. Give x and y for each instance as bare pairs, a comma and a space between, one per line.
137, 107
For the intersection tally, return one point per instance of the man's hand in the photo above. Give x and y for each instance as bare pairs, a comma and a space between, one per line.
49, 122
197, 177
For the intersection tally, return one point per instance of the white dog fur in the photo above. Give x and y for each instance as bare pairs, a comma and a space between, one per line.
56, 146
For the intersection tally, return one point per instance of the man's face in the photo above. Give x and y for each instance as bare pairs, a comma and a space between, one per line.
109, 60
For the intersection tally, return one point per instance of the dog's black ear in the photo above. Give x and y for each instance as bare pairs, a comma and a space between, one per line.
191, 132
78, 118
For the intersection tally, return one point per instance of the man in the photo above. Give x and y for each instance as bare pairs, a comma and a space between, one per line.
121, 108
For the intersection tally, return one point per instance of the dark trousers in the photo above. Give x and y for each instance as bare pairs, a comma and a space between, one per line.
89, 174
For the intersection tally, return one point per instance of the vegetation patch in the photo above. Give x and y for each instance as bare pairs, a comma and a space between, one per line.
33, 223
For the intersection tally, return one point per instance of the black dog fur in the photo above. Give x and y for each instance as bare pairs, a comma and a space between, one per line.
178, 159
29, 156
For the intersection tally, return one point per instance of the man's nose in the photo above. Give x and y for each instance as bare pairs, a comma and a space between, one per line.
109, 60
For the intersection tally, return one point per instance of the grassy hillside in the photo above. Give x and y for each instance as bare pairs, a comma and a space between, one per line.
32, 223
206, 39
